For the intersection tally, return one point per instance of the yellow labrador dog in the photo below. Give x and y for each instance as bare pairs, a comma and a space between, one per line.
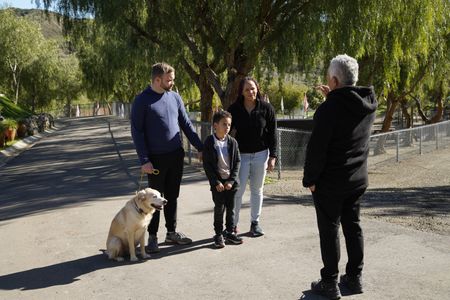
128, 226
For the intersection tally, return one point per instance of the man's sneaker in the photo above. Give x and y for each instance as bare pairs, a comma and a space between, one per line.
232, 238
255, 229
326, 289
177, 238
152, 246
218, 241
353, 283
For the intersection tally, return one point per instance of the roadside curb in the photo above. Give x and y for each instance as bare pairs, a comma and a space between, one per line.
14, 150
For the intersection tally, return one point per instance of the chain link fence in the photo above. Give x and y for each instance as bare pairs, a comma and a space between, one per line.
403, 144
291, 143
383, 148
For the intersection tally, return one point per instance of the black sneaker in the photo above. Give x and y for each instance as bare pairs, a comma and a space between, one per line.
219, 241
353, 283
326, 289
255, 229
232, 238
152, 246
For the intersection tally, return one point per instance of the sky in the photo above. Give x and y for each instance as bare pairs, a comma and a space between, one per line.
21, 3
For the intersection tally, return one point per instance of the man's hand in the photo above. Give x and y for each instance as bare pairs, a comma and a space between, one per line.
312, 188
271, 164
147, 168
324, 89
228, 186
220, 187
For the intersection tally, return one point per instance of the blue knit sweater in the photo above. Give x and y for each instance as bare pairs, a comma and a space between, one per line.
156, 120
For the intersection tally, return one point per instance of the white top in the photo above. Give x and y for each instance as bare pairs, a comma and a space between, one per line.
223, 158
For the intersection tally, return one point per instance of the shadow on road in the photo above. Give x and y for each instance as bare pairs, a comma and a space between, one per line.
58, 274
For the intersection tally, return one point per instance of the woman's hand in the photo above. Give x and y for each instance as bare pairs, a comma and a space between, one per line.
271, 164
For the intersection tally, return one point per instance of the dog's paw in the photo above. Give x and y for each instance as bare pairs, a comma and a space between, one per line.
119, 258
133, 258
145, 256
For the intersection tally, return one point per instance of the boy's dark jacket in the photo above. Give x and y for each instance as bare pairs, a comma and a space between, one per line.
210, 162
336, 155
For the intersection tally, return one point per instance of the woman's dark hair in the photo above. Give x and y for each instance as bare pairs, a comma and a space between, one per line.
241, 88
219, 115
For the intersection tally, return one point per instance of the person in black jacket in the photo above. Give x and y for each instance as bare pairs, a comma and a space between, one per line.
336, 172
254, 125
221, 162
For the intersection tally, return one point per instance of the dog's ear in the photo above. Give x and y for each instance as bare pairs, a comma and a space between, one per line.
141, 195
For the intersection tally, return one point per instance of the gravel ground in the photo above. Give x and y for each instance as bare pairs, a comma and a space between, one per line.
413, 193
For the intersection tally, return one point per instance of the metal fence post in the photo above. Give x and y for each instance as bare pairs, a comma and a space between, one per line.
279, 153
397, 139
436, 131
420, 140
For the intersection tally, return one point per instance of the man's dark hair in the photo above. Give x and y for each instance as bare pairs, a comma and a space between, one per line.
159, 69
221, 114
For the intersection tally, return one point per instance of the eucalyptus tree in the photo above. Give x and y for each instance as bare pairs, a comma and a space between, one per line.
19, 38
216, 42
39, 78
398, 44
219, 42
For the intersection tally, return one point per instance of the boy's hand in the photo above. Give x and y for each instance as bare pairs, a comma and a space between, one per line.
228, 186
220, 187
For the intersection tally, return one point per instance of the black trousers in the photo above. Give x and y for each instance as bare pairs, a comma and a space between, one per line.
223, 202
167, 182
332, 210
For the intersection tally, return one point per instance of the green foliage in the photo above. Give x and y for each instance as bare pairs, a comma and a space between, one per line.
292, 95
40, 70
11, 110
10, 123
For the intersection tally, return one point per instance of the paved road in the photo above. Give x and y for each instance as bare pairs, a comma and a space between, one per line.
57, 200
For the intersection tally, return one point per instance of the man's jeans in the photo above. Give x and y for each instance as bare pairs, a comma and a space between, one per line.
253, 168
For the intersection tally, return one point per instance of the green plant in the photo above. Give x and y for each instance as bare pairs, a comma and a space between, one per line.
10, 123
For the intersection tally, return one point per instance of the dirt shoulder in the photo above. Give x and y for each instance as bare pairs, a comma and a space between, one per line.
413, 193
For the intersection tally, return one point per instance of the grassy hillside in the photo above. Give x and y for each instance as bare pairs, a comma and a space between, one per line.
10, 110
50, 25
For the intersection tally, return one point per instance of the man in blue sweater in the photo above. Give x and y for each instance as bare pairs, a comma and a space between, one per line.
156, 118
336, 172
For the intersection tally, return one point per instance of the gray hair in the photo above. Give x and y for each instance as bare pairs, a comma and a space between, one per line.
345, 69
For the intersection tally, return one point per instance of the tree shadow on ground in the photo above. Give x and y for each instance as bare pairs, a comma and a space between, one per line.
430, 201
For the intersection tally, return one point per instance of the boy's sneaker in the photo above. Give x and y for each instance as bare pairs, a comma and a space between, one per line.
152, 246
232, 238
219, 241
177, 238
353, 283
255, 229
326, 289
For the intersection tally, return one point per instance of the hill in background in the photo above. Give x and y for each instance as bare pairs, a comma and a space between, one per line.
50, 22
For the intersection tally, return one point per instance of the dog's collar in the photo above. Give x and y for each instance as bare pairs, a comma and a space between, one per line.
139, 210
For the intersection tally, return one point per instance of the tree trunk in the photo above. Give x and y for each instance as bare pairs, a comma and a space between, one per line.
408, 141
393, 102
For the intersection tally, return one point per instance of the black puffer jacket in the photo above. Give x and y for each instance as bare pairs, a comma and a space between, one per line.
336, 156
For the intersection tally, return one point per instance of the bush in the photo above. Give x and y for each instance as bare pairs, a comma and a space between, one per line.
10, 123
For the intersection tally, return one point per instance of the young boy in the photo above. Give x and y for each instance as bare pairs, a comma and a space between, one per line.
221, 161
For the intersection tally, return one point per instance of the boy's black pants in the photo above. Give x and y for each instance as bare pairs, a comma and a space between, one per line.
223, 202
167, 182
331, 210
